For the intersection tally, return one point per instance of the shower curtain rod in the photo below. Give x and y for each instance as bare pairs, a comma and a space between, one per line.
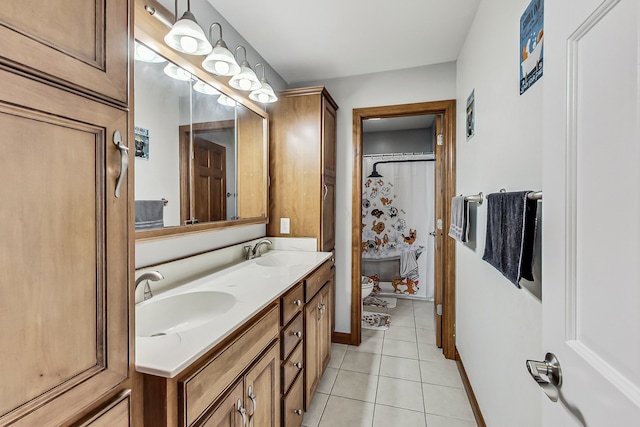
375, 174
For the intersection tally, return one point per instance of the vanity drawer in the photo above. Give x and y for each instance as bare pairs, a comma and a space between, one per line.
292, 335
316, 280
291, 303
291, 367
201, 389
292, 411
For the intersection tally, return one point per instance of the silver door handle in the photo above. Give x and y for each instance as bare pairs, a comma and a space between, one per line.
433, 233
326, 191
547, 374
124, 159
243, 412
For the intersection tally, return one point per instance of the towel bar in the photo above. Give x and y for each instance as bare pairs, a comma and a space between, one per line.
535, 195
476, 198
165, 202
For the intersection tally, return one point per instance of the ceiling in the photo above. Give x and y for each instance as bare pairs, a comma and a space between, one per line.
309, 40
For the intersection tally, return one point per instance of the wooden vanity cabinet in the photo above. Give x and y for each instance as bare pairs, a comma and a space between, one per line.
292, 337
302, 156
318, 328
65, 312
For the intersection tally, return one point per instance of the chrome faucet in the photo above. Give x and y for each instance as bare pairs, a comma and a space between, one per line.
251, 253
145, 277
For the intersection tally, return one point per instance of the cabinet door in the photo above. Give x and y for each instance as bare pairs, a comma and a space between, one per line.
324, 333
311, 343
328, 138
229, 413
262, 390
64, 282
84, 44
328, 225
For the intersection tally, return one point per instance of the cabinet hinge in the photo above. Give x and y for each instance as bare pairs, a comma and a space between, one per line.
439, 309
440, 139
439, 223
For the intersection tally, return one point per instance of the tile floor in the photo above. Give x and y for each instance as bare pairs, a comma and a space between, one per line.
396, 377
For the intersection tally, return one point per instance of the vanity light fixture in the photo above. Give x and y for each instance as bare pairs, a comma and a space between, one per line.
143, 53
225, 100
186, 36
175, 72
220, 61
246, 79
202, 87
265, 93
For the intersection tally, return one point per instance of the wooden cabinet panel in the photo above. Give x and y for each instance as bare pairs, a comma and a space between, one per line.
227, 413
329, 136
83, 44
292, 410
64, 281
292, 335
117, 414
324, 333
291, 303
262, 385
311, 352
328, 237
316, 280
252, 167
292, 367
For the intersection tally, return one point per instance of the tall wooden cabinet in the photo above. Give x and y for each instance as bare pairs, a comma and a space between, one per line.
302, 156
65, 347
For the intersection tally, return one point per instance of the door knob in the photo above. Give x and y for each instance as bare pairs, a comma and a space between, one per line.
547, 374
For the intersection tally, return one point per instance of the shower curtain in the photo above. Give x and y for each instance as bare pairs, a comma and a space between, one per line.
397, 217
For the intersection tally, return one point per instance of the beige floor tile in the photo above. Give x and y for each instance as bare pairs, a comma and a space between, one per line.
355, 385
426, 336
447, 401
342, 412
401, 333
400, 348
387, 416
401, 368
368, 345
439, 421
430, 353
425, 323
375, 333
313, 415
424, 312
327, 381
357, 361
403, 320
403, 310
400, 394
337, 354
441, 373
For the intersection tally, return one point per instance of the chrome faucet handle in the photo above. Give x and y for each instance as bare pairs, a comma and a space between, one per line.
248, 252
145, 277
256, 249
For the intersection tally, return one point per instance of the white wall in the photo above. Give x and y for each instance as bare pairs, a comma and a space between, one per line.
498, 326
421, 84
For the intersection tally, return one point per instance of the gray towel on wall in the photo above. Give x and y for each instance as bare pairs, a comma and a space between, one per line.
459, 228
511, 228
149, 214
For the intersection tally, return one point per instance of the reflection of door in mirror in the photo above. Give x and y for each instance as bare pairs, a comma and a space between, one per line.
207, 197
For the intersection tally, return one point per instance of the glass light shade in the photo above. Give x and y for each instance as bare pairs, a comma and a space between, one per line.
175, 72
221, 61
225, 100
186, 36
246, 79
202, 87
265, 94
143, 53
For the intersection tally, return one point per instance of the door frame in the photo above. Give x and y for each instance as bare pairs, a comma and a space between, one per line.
444, 258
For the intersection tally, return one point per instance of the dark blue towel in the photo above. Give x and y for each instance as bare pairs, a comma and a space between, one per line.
511, 227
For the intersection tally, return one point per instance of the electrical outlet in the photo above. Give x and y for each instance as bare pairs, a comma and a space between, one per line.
285, 226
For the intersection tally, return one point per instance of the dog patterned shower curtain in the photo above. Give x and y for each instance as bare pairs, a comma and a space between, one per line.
397, 217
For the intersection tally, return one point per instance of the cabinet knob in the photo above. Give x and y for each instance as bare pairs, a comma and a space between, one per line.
297, 411
298, 365
298, 334
297, 303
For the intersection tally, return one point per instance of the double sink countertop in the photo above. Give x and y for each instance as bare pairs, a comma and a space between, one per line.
176, 327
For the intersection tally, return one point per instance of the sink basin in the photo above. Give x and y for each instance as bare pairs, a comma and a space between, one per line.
177, 313
283, 260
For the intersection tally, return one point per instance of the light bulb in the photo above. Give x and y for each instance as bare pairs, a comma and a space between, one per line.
189, 44
222, 67
263, 97
245, 84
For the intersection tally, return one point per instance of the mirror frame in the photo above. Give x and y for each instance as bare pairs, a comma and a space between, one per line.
150, 32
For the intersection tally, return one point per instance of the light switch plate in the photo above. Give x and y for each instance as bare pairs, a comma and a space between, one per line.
285, 226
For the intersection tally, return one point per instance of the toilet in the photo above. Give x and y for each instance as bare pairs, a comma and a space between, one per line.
367, 286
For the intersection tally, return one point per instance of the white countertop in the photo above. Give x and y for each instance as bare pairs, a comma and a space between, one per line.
254, 286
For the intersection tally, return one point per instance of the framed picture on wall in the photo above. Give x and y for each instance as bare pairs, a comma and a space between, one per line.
142, 143
531, 44
471, 115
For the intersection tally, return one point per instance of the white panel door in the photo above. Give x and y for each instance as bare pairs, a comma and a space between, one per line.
591, 222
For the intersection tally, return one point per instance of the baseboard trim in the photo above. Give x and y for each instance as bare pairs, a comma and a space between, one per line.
472, 397
341, 338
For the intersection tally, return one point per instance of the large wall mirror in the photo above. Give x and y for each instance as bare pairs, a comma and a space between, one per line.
200, 149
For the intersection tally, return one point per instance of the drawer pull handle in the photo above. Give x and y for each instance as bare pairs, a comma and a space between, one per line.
253, 398
243, 412
298, 334
297, 303
298, 365
297, 411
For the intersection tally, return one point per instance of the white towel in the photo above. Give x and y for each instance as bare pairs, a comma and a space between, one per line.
409, 265
459, 228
